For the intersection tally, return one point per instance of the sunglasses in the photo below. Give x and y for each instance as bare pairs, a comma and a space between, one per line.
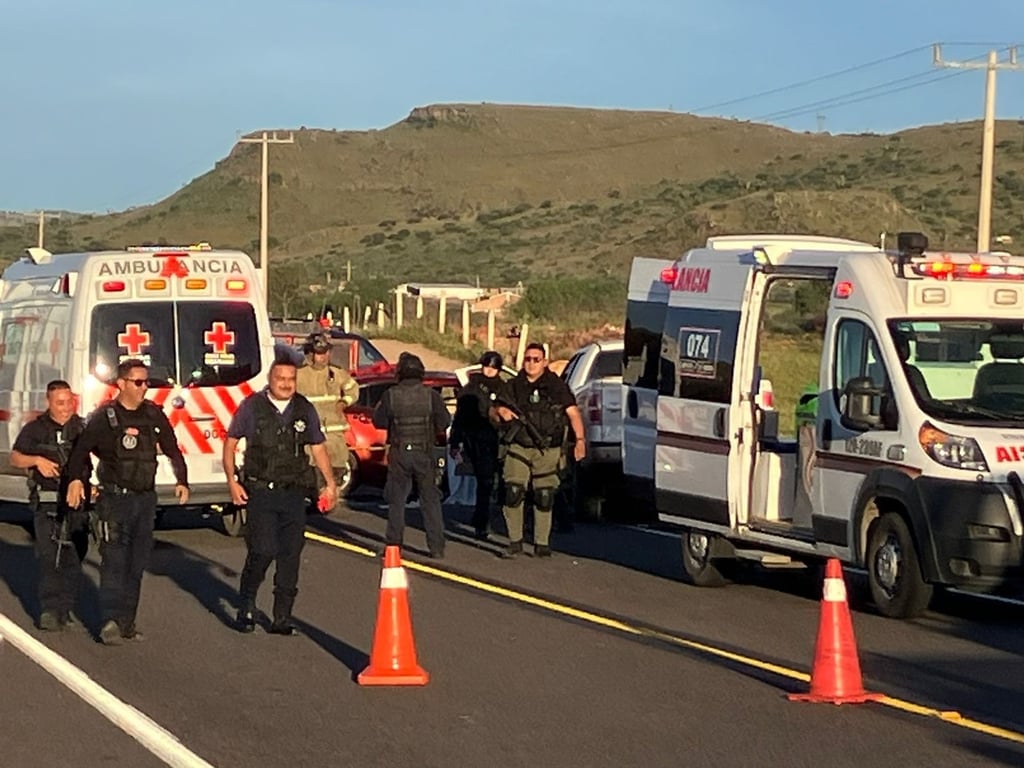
139, 382
532, 359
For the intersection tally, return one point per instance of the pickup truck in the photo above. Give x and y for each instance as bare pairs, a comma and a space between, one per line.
594, 375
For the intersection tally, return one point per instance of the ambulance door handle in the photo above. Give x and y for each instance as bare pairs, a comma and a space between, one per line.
719, 425
632, 404
826, 434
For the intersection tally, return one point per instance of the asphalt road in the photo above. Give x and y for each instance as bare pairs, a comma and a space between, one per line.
597, 657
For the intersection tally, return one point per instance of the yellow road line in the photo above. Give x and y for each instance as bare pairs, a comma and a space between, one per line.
946, 716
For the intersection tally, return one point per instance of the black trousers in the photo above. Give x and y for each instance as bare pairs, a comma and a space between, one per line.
405, 468
483, 453
126, 541
275, 531
58, 584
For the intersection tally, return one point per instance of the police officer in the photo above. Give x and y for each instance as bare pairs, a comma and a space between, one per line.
413, 415
544, 402
331, 390
474, 437
125, 434
275, 484
62, 535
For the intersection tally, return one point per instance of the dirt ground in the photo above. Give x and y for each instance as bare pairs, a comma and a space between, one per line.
431, 360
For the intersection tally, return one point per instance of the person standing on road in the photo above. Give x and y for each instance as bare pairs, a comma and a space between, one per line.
331, 390
542, 402
275, 483
125, 434
474, 437
413, 415
62, 534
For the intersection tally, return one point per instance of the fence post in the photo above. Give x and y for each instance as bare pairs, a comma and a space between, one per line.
465, 323
399, 308
367, 314
442, 308
381, 317
524, 332
419, 307
490, 329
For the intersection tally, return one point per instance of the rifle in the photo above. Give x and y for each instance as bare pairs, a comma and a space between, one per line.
520, 423
61, 519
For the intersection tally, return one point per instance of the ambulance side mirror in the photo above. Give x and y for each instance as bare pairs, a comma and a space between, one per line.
862, 404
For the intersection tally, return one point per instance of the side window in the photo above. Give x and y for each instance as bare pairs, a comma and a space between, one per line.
571, 366
858, 356
641, 358
607, 364
698, 351
44, 342
341, 354
12, 339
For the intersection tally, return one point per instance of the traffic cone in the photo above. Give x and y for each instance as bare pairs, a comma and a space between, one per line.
836, 675
393, 660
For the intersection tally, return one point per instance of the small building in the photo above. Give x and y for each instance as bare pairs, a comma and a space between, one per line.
449, 291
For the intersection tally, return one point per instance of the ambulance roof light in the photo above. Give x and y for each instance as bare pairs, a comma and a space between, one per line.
38, 255
669, 274
149, 248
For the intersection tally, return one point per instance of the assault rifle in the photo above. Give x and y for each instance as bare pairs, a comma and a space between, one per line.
61, 519
520, 422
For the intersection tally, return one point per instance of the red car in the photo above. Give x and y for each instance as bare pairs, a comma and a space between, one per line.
366, 443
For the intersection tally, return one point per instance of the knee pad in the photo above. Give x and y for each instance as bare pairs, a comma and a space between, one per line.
544, 499
514, 494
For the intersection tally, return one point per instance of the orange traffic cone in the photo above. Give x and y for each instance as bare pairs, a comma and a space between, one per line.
836, 675
393, 660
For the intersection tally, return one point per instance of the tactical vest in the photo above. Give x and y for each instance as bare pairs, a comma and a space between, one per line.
475, 403
135, 441
412, 418
56, 446
542, 412
276, 453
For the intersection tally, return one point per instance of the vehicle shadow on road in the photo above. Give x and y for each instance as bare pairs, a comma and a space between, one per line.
205, 579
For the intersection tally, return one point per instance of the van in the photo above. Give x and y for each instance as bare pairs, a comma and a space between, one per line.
193, 314
819, 397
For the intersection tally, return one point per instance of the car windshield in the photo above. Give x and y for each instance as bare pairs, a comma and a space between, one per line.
183, 344
967, 371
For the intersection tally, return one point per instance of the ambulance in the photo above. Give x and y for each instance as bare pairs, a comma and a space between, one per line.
819, 397
194, 315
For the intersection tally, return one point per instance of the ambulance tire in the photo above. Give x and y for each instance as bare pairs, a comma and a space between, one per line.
702, 561
233, 521
898, 589
159, 518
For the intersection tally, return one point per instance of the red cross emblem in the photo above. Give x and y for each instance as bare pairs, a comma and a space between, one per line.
133, 339
173, 268
219, 337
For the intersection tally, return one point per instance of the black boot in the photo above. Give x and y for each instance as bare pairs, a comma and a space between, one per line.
514, 549
246, 621
282, 624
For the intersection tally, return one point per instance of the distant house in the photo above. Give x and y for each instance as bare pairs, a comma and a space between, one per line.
450, 291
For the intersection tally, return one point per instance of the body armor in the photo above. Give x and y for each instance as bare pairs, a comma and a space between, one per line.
276, 452
412, 421
134, 466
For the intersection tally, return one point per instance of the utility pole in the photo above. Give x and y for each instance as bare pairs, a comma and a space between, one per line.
42, 226
821, 122
988, 133
265, 140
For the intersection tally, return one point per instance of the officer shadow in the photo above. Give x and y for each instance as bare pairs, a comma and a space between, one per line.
355, 659
205, 579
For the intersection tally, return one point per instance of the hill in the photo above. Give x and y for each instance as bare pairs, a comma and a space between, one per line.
506, 193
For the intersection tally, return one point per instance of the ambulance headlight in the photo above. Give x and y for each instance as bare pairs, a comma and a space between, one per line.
952, 450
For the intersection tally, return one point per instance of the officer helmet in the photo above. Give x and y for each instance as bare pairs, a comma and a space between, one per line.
409, 367
318, 342
491, 359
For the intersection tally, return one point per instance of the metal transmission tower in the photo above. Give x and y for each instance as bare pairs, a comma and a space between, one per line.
988, 135
265, 140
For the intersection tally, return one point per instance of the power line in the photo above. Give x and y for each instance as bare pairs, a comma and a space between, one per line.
812, 80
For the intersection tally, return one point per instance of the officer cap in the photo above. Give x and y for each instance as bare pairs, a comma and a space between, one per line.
491, 359
409, 367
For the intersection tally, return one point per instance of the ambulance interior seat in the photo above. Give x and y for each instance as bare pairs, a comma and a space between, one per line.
1004, 376
914, 375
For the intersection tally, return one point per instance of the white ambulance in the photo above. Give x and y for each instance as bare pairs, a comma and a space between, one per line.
819, 397
193, 314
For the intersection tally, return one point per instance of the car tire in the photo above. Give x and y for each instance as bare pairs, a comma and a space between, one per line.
897, 586
233, 521
347, 478
702, 564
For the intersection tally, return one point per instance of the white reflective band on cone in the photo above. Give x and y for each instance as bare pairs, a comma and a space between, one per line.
835, 591
393, 578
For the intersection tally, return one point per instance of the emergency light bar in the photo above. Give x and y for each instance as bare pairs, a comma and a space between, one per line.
948, 270
168, 248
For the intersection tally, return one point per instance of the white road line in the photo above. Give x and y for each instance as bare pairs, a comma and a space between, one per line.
156, 739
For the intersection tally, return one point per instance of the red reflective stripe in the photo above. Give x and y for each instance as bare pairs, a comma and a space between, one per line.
245, 389
184, 418
226, 399
199, 398
5, 415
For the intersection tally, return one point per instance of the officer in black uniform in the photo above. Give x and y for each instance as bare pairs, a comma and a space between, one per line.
275, 484
474, 437
414, 415
125, 434
62, 535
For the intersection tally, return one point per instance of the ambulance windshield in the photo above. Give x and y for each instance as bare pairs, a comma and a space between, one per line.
183, 344
968, 371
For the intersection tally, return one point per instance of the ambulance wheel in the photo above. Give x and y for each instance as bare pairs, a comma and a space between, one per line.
233, 521
158, 519
898, 589
700, 562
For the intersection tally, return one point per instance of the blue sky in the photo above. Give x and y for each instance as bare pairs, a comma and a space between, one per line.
114, 103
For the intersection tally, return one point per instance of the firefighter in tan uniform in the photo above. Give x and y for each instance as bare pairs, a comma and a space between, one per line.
331, 390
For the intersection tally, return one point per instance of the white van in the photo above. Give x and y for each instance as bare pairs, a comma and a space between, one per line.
821, 397
193, 314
